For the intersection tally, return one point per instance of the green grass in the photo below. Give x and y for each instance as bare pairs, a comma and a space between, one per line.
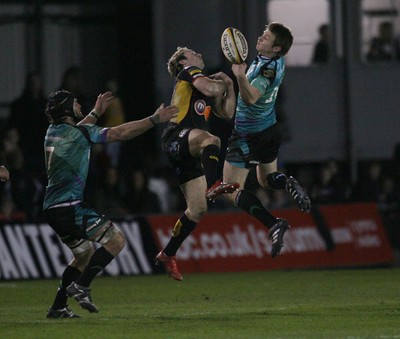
361, 303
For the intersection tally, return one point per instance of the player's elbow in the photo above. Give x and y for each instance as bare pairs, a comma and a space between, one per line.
115, 134
249, 101
213, 92
227, 114
215, 89
251, 96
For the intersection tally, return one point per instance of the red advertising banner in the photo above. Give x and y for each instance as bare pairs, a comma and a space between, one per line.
235, 241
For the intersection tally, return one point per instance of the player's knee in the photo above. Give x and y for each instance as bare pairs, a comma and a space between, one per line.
201, 212
113, 239
81, 260
264, 183
214, 140
119, 240
197, 212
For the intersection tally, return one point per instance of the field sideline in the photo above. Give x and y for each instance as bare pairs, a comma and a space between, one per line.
356, 303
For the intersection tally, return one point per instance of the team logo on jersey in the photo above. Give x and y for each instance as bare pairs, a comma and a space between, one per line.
201, 108
268, 73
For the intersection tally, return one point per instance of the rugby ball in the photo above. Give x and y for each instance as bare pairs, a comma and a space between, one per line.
234, 45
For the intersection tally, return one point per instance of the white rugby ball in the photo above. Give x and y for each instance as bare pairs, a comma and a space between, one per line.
234, 45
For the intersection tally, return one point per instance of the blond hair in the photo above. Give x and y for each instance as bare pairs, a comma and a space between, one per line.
174, 67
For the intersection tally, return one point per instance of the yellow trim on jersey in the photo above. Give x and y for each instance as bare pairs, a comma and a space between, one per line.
181, 99
195, 71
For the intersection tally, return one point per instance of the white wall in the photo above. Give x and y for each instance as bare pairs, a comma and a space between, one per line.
304, 18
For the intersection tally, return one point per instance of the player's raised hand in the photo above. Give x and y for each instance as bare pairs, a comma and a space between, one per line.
102, 102
239, 69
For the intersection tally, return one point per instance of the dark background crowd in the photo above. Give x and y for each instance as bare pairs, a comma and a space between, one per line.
133, 178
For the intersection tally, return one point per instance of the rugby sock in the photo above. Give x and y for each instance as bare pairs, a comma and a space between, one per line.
249, 203
69, 275
99, 260
183, 227
210, 159
277, 180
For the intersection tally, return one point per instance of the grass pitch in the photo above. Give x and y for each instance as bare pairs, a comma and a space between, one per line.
360, 303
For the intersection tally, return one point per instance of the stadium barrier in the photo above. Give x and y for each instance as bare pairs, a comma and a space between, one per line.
333, 236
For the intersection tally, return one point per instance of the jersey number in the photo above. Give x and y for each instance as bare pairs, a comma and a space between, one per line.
49, 155
273, 95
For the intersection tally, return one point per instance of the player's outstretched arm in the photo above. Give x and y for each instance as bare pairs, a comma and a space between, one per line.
131, 129
210, 87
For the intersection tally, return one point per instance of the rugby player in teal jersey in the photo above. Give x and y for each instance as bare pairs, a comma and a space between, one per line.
67, 152
256, 138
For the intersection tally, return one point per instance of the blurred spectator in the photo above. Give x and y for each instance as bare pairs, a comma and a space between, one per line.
263, 195
395, 166
305, 175
389, 202
368, 185
4, 206
28, 118
329, 186
6, 202
12, 152
383, 47
388, 199
159, 184
17, 194
280, 200
99, 164
138, 198
72, 81
113, 116
115, 113
273, 199
176, 199
108, 198
389, 208
321, 49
